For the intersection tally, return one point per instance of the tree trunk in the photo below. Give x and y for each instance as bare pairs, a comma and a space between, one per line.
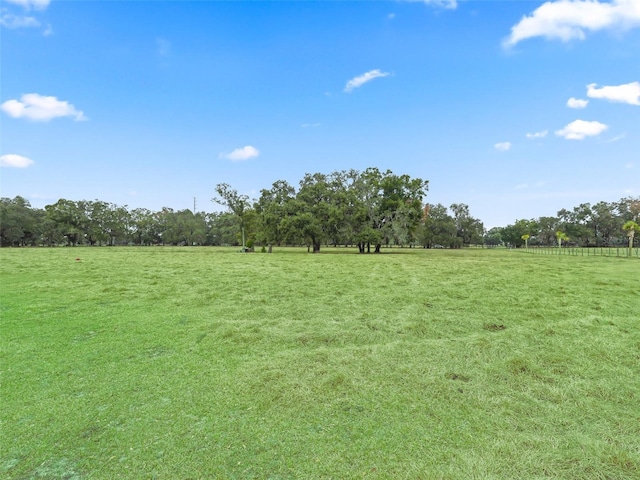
377, 250
316, 247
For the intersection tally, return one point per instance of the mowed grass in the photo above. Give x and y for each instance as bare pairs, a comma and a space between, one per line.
184, 363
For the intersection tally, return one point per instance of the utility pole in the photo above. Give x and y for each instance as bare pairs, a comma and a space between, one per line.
194, 205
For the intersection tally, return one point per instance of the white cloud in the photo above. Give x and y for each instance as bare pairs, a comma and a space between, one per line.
566, 20
629, 165
521, 186
38, 107
622, 136
580, 129
9, 20
357, 82
310, 125
449, 4
240, 154
391, 16
627, 93
577, 103
502, 146
29, 4
15, 161
538, 134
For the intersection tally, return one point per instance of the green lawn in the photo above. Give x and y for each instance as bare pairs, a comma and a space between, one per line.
176, 363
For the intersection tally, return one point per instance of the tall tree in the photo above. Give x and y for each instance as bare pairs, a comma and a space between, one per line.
401, 206
223, 229
469, 230
236, 203
439, 228
572, 223
605, 222
71, 217
584, 225
272, 207
184, 228
493, 237
367, 220
629, 208
547, 227
142, 222
513, 235
18, 222
311, 210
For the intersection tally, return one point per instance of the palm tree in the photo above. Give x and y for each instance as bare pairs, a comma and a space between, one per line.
631, 228
561, 236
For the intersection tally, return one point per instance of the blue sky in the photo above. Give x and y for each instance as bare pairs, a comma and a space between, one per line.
517, 109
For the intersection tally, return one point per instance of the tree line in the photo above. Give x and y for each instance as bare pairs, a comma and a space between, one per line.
366, 209
602, 224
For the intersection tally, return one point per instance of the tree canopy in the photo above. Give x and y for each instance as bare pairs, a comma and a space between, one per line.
367, 210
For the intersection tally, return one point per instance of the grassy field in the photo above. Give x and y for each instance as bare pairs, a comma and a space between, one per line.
176, 363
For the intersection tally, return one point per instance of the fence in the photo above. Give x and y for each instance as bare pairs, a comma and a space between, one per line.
586, 251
